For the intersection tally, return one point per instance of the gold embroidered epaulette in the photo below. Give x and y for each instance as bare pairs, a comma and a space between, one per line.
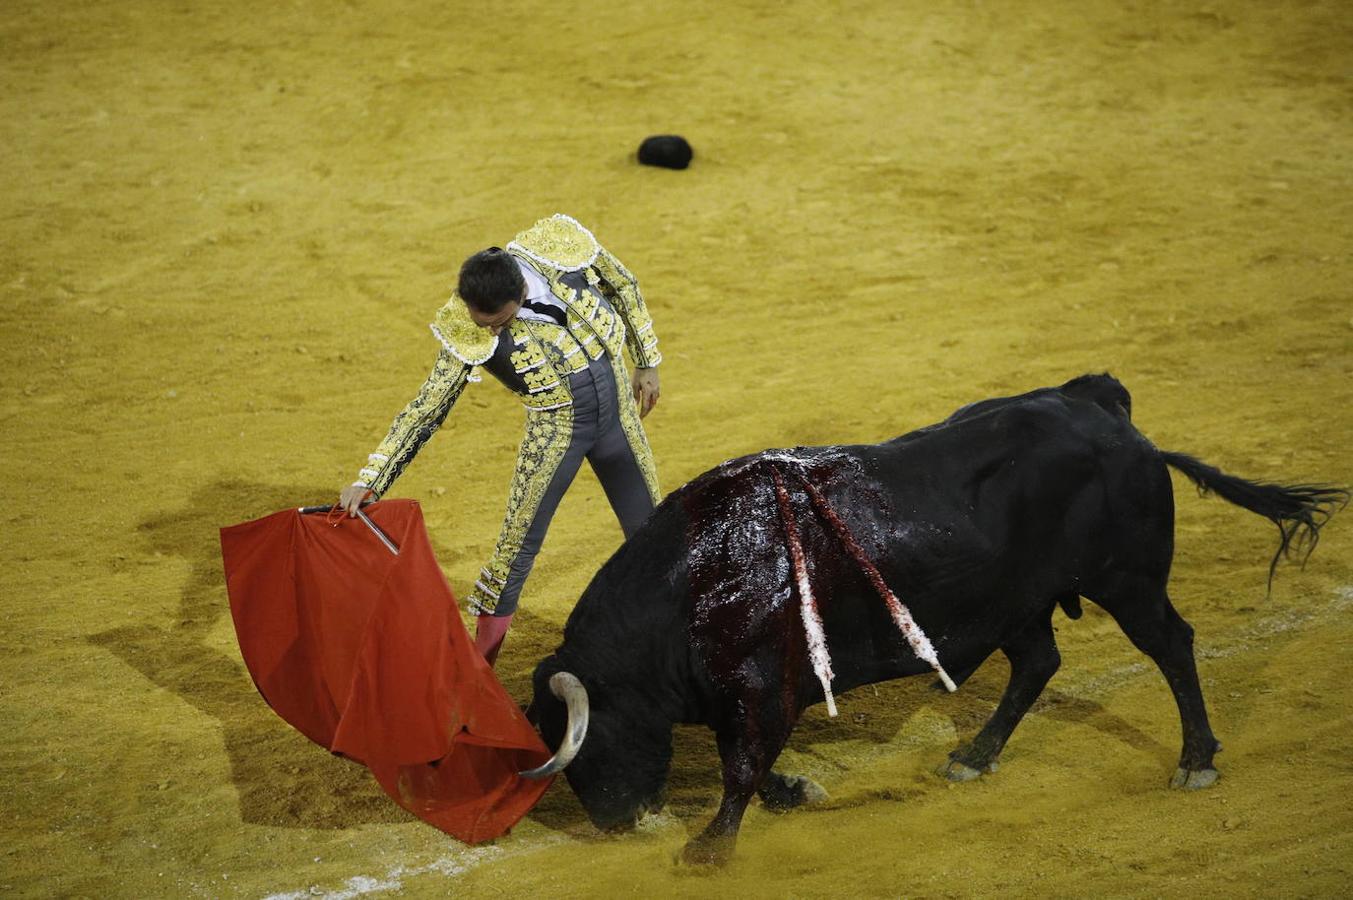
470, 343
558, 242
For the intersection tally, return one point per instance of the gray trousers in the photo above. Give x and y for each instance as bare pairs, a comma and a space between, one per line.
599, 438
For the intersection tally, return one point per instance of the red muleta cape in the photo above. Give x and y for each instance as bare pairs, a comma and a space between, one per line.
365, 654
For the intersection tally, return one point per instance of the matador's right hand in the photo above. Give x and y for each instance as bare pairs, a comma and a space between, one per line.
352, 496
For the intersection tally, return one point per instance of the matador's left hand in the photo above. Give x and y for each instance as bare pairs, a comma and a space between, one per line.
646, 390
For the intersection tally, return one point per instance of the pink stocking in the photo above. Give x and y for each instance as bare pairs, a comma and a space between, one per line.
488, 635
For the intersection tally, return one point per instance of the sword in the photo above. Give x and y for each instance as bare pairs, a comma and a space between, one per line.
366, 520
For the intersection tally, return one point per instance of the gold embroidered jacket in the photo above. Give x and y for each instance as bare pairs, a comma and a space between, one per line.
605, 313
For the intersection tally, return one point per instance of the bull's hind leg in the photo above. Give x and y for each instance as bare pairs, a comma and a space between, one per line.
1033, 660
1150, 621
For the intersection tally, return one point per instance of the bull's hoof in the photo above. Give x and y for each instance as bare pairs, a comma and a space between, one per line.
781, 793
811, 791
1194, 780
706, 851
957, 771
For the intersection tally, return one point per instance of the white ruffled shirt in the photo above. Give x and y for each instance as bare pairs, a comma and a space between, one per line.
538, 293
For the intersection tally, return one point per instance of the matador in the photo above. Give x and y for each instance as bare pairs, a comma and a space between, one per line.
549, 316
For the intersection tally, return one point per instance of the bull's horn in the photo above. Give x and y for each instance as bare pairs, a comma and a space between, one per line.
569, 689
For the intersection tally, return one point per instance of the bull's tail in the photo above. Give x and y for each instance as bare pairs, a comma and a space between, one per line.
1299, 510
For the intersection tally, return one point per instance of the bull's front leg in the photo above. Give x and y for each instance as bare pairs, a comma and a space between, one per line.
748, 747
744, 767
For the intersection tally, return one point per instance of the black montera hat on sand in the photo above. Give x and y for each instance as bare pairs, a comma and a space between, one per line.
671, 151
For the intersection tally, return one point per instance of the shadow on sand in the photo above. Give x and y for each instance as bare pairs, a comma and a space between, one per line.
282, 778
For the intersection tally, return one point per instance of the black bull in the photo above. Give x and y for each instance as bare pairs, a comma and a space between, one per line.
982, 525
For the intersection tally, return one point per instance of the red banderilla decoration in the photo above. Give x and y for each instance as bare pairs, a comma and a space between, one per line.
812, 620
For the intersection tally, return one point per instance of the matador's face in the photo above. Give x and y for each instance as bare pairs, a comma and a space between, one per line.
495, 321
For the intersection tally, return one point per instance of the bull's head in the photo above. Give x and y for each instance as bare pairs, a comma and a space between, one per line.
611, 761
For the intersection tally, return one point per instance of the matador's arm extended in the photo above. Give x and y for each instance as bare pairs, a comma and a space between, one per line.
415, 424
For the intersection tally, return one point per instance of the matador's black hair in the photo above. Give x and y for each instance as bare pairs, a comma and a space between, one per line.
490, 280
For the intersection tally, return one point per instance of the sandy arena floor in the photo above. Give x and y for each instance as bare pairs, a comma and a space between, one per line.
226, 226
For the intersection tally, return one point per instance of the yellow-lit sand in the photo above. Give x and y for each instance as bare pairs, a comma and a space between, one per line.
225, 227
